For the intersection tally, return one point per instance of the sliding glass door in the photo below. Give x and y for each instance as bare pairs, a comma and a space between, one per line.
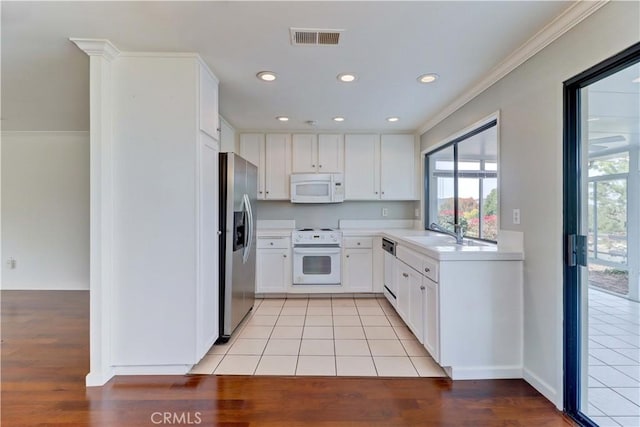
602, 242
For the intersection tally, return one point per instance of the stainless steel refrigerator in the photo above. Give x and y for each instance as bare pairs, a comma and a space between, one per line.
238, 191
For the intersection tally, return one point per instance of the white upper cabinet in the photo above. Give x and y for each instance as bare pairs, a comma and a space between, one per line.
304, 148
272, 156
252, 149
209, 119
362, 167
398, 167
277, 166
330, 153
317, 153
380, 167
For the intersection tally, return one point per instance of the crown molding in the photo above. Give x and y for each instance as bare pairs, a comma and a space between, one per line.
552, 31
97, 47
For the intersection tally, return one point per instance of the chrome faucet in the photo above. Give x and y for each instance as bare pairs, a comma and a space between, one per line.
457, 234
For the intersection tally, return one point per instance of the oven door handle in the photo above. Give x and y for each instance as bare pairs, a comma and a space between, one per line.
316, 251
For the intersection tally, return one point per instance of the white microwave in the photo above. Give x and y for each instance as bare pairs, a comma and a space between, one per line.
317, 188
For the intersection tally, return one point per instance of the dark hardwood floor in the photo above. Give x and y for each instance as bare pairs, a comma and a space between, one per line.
45, 357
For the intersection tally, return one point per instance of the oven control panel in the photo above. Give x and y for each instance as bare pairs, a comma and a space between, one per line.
316, 237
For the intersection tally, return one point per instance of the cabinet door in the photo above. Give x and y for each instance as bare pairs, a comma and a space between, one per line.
403, 296
431, 319
304, 150
208, 96
358, 270
252, 149
207, 225
277, 166
273, 270
416, 309
330, 153
398, 167
362, 167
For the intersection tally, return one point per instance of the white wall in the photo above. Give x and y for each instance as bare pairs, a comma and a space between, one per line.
45, 210
328, 215
530, 104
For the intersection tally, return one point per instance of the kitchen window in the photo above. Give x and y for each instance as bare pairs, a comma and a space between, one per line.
461, 183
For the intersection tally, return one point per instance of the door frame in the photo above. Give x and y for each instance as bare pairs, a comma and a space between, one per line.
575, 249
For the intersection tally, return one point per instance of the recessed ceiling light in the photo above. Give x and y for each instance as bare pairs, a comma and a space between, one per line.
637, 80
338, 119
428, 78
393, 119
347, 77
283, 118
267, 76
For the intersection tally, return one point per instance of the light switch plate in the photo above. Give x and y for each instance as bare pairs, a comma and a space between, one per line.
385, 211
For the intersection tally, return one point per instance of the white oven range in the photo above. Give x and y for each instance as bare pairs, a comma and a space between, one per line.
316, 256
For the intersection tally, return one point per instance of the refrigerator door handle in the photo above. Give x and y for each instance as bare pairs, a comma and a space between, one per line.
249, 235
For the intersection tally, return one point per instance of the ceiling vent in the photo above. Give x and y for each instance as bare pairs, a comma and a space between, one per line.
314, 36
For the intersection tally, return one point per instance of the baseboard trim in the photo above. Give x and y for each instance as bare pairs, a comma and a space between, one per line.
545, 389
484, 372
98, 379
152, 370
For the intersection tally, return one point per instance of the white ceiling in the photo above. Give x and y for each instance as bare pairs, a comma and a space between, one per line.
388, 44
613, 110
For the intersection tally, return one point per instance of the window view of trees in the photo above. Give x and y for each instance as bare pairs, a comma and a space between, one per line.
463, 186
607, 221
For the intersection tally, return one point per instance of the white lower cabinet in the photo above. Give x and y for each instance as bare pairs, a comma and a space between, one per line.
357, 264
467, 314
431, 317
273, 265
410, 298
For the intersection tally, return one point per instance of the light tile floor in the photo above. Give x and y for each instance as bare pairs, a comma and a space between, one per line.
321, 336
613, 370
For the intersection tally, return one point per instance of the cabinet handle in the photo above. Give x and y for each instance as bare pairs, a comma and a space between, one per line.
319, 166
347, 256
358, 243
284, 255
427, 269
267, 192
271, 243
422, 288
383, 192
313, 166
376, 192
405, 275
259, 192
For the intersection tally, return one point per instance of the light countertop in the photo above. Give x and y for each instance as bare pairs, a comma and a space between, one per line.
441, 247
432, 244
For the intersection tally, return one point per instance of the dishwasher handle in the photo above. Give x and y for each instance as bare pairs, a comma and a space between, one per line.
389, 246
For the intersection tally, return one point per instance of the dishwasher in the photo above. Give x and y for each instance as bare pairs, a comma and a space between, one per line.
390, 285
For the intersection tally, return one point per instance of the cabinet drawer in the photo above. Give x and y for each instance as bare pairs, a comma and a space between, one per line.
430, 268
409, 257
358, 242
274, 243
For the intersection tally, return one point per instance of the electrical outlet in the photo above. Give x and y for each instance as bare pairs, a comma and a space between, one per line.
417, 212
516, 216
385, 211
12, 263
